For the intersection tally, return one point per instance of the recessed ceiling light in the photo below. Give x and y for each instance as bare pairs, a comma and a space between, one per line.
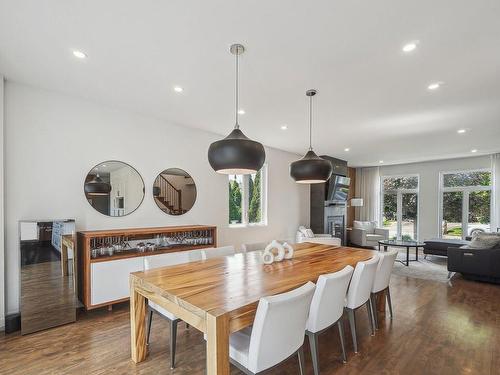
461, 131
284, 127
241, 111
473, 150
408, 47
79, 54
346, 149
434, 85
178, 89
381, 161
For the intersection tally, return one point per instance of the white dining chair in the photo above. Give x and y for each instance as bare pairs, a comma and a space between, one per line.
163, 260
327, 309
277, 332
359, 294
255, 246
382, 280
214, 252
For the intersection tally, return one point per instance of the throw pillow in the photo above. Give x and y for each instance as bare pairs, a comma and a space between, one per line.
485, 241
310, 233
303, 230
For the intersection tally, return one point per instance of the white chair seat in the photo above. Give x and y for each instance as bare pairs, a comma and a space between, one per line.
239, 344
162, 311
374, 237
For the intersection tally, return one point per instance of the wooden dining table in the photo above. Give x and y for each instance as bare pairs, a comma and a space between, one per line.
219, 296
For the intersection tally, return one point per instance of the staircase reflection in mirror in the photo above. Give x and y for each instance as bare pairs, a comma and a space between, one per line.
174, 191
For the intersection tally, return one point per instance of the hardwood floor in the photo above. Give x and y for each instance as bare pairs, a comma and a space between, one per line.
437, 329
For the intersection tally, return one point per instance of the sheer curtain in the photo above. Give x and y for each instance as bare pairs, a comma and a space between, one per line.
368, 188
495, 207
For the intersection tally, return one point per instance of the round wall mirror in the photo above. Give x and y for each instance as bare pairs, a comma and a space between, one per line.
114, 188
174, 191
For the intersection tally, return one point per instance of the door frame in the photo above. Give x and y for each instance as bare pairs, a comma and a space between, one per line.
399, 202
465, 190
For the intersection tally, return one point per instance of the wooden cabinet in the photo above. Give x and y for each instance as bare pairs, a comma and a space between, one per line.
104, 279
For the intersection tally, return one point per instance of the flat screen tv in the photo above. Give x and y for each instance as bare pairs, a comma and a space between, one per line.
338, 188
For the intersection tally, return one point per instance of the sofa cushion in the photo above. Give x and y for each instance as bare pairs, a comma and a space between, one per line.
375, 237
485, 240
444, 244
368, 226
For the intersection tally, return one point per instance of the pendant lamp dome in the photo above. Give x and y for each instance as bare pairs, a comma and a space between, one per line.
97, 186
236, 154
311, 169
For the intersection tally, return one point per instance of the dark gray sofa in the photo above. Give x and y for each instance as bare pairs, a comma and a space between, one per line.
475, 264
439, 246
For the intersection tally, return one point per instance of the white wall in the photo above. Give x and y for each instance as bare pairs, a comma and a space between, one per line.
2, 266
53, 140
428, 202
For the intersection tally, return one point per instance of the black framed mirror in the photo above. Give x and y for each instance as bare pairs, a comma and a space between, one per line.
114, 188
174, 191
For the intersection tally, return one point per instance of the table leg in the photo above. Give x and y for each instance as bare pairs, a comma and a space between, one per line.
385, 248
217, 345
64, 259
137, 324
407, 256
379, 246
416, 253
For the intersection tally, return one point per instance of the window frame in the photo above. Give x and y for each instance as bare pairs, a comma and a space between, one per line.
399, 199
245, 200
465, 190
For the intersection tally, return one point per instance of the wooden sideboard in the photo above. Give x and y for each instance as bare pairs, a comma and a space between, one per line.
103, 280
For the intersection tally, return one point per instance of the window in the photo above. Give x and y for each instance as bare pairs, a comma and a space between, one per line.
247, 198
400, 206
465, 203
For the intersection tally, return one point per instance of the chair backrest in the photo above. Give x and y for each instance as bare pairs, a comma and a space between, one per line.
361, 283
255, 246
384, 270
369, 226
163, 260
214, 252
194, 255
278, 327
328, 302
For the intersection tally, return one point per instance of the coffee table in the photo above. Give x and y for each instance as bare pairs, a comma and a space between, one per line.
401, 243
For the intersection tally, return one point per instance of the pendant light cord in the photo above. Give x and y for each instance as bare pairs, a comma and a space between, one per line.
237, 92
310, 122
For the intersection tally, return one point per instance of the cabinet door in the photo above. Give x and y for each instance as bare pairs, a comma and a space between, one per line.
110, 280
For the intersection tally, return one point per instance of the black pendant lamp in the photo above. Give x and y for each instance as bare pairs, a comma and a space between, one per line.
236, 154
311, 169
97, 186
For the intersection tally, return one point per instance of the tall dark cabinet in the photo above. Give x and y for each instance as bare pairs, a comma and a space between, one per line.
328, 216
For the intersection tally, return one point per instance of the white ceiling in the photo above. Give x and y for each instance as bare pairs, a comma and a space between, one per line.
371, 97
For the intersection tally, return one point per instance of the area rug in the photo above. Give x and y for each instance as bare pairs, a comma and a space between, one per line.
433, 268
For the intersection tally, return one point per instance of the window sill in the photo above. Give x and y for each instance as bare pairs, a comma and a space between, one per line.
249, 225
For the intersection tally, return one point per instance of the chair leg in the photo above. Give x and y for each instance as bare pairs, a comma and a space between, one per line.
173, 341
313, 343
389, 301
340, 324
150, 319
374, 309
369, 309
352, 323
302, 361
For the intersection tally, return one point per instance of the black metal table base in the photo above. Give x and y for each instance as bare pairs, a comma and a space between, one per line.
408, 260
